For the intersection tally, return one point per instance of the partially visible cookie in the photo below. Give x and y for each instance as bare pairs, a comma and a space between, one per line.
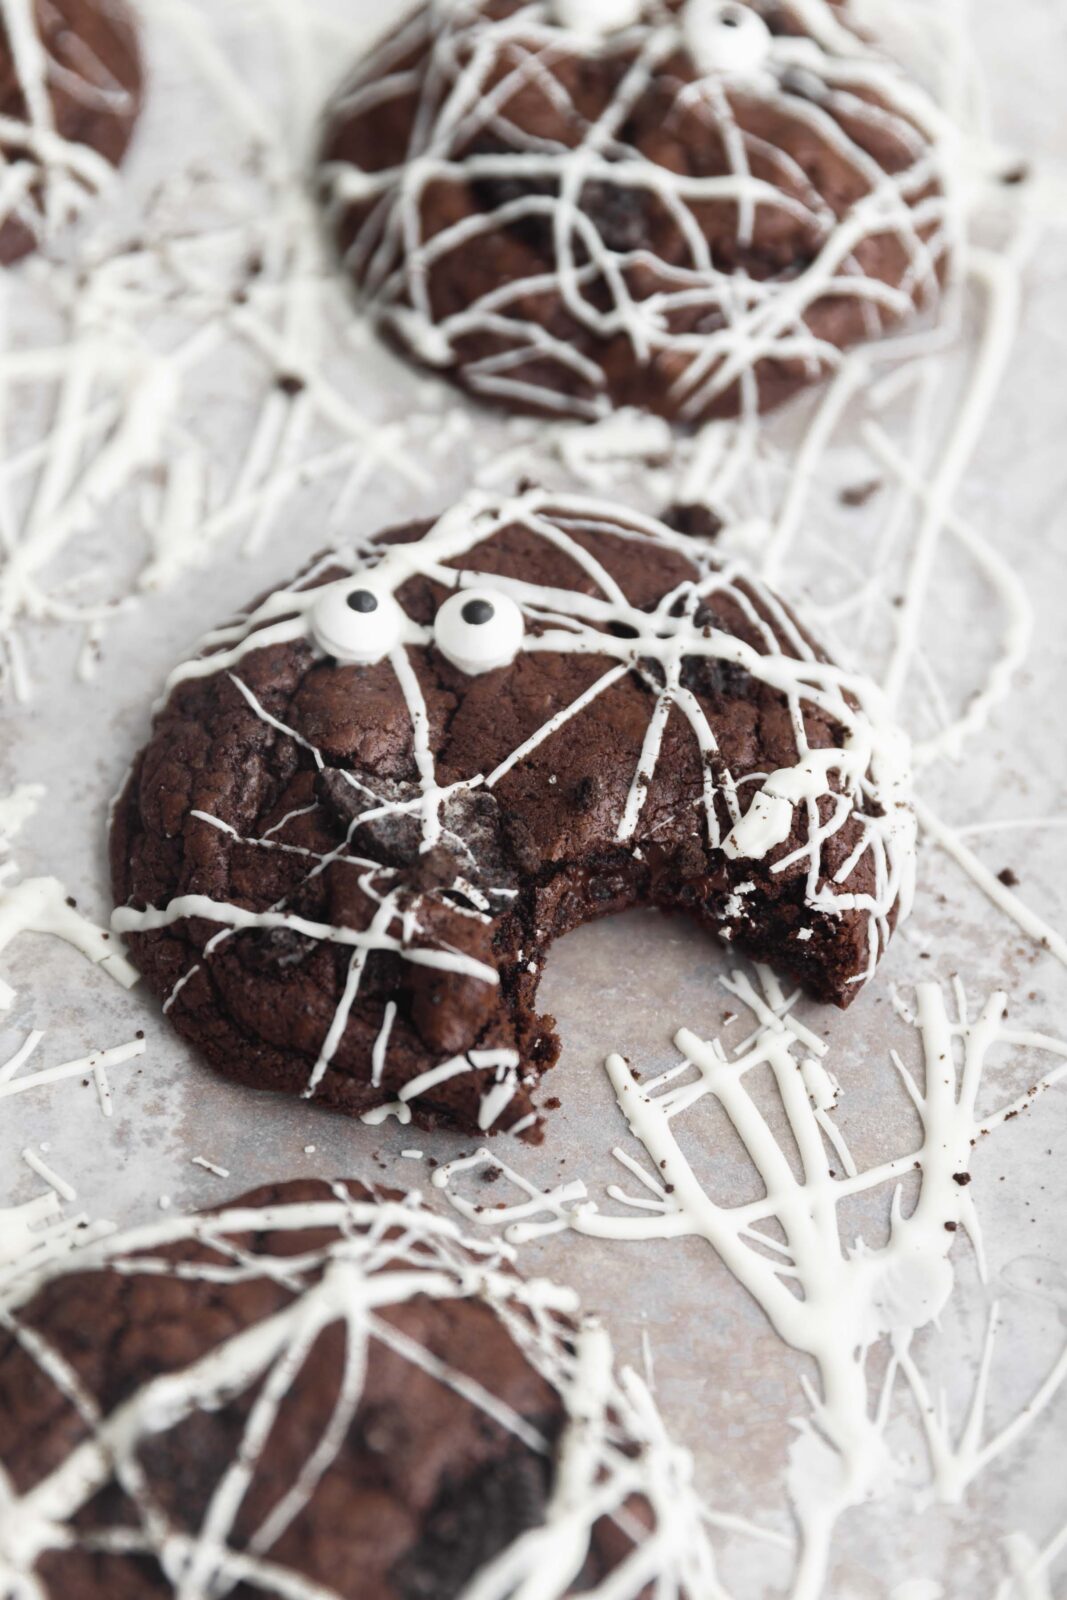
324, 1392
689, 206
70, 94
368, 808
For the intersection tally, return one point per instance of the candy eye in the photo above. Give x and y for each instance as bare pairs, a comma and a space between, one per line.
725, 36
598, 17
357, 622
478, 630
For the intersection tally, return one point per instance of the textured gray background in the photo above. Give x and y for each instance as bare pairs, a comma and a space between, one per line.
726, 1384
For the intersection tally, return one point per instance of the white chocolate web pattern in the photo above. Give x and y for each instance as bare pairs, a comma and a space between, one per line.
863, 785
108, 343
612, 1462
719, 327
108, 454
46, 180
826, 1291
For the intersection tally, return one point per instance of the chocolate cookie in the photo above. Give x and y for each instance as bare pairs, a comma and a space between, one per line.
70, 93
689, 206
370, 806
324, 1392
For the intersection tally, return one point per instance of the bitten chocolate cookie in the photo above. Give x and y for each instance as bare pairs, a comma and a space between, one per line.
689, 206
324, 1392
70, 93
370, 806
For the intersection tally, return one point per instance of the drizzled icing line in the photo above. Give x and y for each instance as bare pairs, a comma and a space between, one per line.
118, 378
474, 72
42, 905
35, 1235
867, 777
46, 181
38, 1233
122, 404
13, 1081
382, 1253
853, 1297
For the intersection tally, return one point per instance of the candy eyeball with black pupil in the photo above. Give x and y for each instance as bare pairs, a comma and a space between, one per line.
357, 622
479, 630
725, 36
597, 17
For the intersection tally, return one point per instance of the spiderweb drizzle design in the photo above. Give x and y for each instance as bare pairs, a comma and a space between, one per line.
100, 386
47, 181
866, 779
753, 477
612, 1457
123, 444
835, 1299
712, 323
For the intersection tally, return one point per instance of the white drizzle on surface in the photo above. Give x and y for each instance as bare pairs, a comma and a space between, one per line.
36, 1232
831, 1297
377, 1254
124, 415
42, 905
101, 418
33, 1237
95, 1065
773, 497
866, 780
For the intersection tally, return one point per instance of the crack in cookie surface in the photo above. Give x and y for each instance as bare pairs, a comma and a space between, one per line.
343, 875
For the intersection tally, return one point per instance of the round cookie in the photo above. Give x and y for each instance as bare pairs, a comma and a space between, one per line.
370, 805
324, 1392
70, 94
689, 206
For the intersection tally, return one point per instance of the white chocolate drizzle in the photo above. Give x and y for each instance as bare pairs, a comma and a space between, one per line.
95, 1065
831, 83
125, 420
42, 905
47, 182
866, 780
35, 1235
613, 1453
122, 423
123, 328
832, 1297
